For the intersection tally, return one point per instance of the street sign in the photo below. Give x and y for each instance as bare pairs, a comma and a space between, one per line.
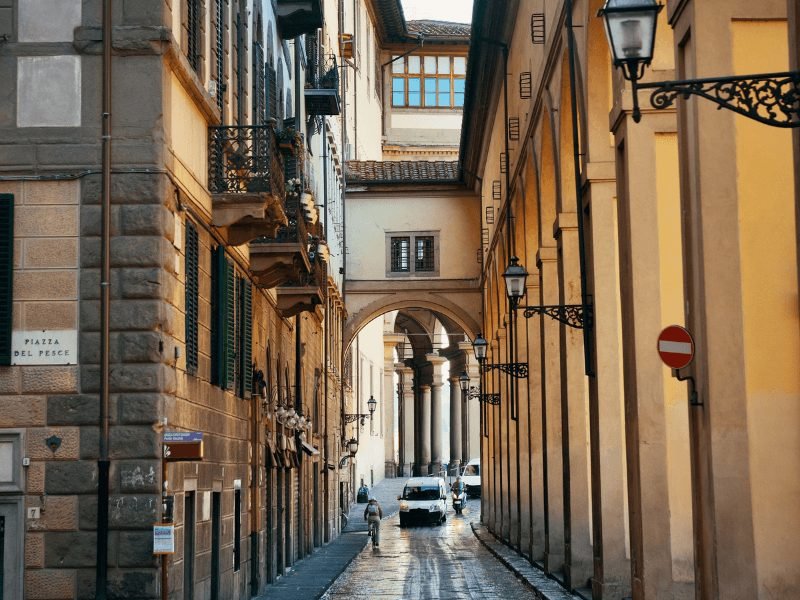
183, 445
163, 538
676, 347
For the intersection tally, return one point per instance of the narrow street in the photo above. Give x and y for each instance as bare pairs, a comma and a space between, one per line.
426, 562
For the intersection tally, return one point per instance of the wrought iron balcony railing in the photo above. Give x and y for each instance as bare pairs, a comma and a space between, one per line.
245, 160
322, 88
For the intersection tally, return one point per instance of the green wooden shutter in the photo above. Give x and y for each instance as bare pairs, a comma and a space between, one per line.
230, 329
245, 337
223, 309
6, 275
192, 296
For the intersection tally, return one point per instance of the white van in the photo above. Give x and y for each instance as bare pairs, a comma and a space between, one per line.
424, 500
471, 476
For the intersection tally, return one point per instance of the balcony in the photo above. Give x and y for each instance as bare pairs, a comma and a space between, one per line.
296, 17
246, 180
284, 256
306, 292
322, 89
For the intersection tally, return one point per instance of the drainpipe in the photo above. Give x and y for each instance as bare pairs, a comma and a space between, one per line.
103, 463
326, 347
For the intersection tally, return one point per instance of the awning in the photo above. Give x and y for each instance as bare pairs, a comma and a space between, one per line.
309, 449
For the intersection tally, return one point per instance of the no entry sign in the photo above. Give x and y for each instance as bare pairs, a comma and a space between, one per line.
676, 347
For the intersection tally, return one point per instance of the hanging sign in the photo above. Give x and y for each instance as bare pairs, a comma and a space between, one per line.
676, 347
163, 538
183, 445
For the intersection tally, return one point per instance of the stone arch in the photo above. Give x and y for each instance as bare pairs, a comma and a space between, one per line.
399, 301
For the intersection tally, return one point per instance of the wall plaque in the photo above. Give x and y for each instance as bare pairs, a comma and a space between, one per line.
44, 347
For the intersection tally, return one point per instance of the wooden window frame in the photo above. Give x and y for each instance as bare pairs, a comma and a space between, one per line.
452, 77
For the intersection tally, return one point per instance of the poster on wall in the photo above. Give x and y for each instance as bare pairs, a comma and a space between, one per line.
44, 347
163, 539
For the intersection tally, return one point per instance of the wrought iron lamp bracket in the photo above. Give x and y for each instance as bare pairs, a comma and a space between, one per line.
769, 98
474, 394
516, 369
356, 417
578, 316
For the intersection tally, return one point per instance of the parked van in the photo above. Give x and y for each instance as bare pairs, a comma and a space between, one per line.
424, 500
471, 476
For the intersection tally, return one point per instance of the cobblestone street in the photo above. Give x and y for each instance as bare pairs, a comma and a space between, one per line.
426, 562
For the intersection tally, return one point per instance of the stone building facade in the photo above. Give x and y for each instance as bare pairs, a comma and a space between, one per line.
226, 303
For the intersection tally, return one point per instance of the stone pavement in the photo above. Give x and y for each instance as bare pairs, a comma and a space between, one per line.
543, 586
311, 577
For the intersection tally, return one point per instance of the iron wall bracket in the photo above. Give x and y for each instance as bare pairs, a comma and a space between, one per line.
577, 316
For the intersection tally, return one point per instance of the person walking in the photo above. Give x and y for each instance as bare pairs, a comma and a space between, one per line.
373, 515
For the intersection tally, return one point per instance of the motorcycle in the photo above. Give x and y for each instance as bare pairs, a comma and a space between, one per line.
459, 501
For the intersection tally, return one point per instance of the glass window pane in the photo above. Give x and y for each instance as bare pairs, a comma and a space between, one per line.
444, 92
414, 91
458, 85
444, 99
430, 64
458, 99
398, 66
430, 91
444, 64
460, 65
413, 84
398, 91
444, 85
413, 64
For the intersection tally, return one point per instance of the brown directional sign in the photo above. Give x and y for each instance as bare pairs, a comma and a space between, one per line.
183, 445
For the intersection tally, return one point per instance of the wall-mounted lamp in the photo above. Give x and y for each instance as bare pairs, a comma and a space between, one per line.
770, 98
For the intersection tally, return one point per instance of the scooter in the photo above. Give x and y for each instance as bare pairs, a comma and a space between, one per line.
459, 501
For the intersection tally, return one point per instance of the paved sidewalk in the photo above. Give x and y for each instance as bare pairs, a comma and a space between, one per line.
543, 586
311, 577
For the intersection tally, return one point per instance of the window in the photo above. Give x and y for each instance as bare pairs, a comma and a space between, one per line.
188, 545
193, 30
218, 52
413, 254
400, 252
232, 327
423, 255
6, 275
429, 81
191, 296
237, 528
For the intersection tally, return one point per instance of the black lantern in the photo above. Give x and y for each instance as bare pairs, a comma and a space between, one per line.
463, 383
515, 277
631, 30
371, 404
352, 447
479, 346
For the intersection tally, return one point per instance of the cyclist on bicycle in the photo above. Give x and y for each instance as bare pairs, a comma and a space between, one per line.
373, 515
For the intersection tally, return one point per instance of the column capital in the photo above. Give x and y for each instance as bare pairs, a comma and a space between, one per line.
423, 387
436, 361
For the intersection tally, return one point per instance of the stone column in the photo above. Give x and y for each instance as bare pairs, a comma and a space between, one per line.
436, 412
471, 414
578, 567
407, 420
455, 425
551, 391
424, 428
386, 407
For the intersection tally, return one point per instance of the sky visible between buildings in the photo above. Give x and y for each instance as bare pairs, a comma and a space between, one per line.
456, 11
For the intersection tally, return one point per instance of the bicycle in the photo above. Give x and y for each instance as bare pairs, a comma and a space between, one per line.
373, 525
344, 520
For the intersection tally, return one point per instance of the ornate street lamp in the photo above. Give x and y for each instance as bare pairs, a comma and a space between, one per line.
770, 98
353, 417
515, 277
479, 347
469, 392
352, 449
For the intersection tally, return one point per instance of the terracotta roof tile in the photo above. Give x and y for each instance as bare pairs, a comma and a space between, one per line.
439, 28
402, 171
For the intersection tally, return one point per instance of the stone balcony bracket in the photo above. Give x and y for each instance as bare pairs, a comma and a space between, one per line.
243, 217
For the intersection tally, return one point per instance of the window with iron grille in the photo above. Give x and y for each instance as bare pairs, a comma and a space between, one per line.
218, 51
194, 32
400, 255
192, 296
6, 275
423, 254
412, 254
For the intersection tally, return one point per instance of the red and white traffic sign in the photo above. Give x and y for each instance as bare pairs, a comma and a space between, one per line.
676, 347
